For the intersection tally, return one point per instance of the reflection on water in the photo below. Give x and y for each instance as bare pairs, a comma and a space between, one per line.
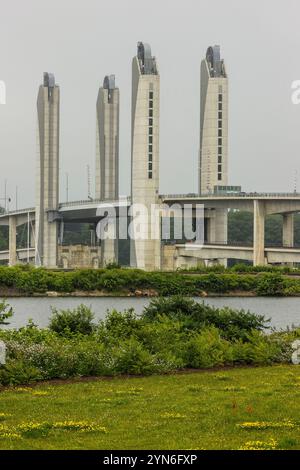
282, 311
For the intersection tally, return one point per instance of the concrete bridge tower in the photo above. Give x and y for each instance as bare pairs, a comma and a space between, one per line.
47, 195
144, 248
213, 155
107, 161
107, 141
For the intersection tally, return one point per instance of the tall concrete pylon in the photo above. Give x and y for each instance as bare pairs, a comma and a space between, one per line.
47, 194
144, 248
107, 141
213, 154
107, 161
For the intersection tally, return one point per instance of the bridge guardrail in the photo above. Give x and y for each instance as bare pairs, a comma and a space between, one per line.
229, 195
18, 211
92, 201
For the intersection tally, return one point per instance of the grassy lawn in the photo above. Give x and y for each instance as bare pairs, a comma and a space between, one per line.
201, 410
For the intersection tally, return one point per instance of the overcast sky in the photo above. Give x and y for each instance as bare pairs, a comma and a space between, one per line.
82, 41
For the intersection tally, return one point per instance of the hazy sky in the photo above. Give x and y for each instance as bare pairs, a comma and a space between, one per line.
82, 41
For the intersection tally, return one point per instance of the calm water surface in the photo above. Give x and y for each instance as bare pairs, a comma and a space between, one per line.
282, 311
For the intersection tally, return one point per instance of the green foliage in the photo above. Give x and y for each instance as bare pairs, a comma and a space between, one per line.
6, 312
131, 357
3, 237
171, 334
232, 323
117, 326
239, 278
206, 349
18, 372
260, 349
113, 266
66, 322
270, 284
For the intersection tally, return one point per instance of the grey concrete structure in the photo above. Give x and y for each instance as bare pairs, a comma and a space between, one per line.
180, 255
213, 153
107, 160
47, 194
79, 256
13, 220
146, 207
107, 141
145, 249
12, 241
260, 205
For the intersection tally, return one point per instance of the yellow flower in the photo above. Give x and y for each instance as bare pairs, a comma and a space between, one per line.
80, 426
267, 425
39, 393
172, 415
260, 445
10, 435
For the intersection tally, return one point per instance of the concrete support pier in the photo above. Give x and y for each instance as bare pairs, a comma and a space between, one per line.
288, 230
217, 223
12, 241
217, 226
259, 233
109, 244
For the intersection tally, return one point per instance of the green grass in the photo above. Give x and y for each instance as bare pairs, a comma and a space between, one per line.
182, 411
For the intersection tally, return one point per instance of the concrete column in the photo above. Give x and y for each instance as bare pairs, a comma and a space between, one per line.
211, 227
12, 241
32, 235
109, 244
217, 229
217, 226
288, 230
221, 226
259, 233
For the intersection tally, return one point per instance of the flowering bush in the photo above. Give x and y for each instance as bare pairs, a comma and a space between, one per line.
167, 337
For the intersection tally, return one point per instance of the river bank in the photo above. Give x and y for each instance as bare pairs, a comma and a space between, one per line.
29, 281
13, 293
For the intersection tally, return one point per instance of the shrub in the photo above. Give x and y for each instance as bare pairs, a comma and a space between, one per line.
196, 315
113, 265
6, 312
217, 279
270, 284
259, 349
131, 357
18, 372
117, 326
172, 333
207, 349
79, 320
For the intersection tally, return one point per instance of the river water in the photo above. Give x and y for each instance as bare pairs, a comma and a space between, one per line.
282, 311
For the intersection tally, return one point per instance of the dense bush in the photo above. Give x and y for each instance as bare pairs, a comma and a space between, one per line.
233, 324
270, 284
263, 280
5, 313
171, 334
66, 322
207, 349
